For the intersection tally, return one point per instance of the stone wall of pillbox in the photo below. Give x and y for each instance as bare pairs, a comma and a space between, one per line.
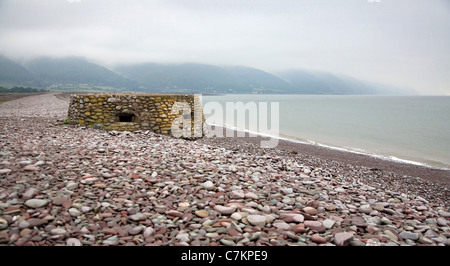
138, 111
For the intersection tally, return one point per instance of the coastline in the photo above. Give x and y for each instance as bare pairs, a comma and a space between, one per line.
391, 134
429, 183
389, 158
399, 166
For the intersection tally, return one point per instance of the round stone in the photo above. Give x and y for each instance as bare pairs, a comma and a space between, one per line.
73, 242
135, 230
330, 207
251, 195
149, 231
5, 171
441, 221
409, 235
310, 210
36, 222
316, 238
444, 213
137, 217
111, 241
36, 203
225, 210
31, 168
342, 239
315, 225
72, 185
328, 223
298, 229
236, 194
257, 220
281, 225
239, 215
227, 242
58, 231
74, 212
202, 213
365, 209
208, 185
292, 217
425, 240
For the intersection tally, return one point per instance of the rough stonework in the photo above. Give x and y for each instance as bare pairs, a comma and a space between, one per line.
139, 111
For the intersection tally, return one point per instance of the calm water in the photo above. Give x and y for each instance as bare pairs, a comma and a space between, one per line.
407, 128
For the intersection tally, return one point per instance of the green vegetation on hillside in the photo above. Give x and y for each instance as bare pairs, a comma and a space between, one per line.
201, 78
13, 74
60, 72
77, 74
21, 90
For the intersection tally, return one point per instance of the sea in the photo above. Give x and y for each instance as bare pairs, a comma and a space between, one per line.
408, 129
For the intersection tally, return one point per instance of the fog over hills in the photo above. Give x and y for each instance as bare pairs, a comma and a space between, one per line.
12, 73
403, 43
76, 70
79, 74
202, 78
320, 82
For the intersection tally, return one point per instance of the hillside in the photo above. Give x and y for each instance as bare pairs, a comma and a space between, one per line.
202, 78
319, 82
75, 70
78, 74
184, 78
14, 74
259, 81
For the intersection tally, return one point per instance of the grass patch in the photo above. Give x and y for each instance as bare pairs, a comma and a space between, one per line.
85, 88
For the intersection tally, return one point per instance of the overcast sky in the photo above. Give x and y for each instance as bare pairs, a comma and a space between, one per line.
397, 42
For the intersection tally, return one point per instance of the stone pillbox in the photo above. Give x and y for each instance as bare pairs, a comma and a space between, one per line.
138, 111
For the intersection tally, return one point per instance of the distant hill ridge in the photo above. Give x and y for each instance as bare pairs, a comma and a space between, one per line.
78, 74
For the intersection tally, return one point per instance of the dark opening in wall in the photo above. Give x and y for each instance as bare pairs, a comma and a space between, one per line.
125, 117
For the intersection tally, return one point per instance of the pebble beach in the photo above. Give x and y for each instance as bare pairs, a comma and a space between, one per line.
70, 185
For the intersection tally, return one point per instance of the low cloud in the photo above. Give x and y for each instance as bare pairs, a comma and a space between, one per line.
403, 43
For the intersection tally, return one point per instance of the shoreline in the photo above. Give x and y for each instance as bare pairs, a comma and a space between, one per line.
71, 185
376, 162
389, 158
